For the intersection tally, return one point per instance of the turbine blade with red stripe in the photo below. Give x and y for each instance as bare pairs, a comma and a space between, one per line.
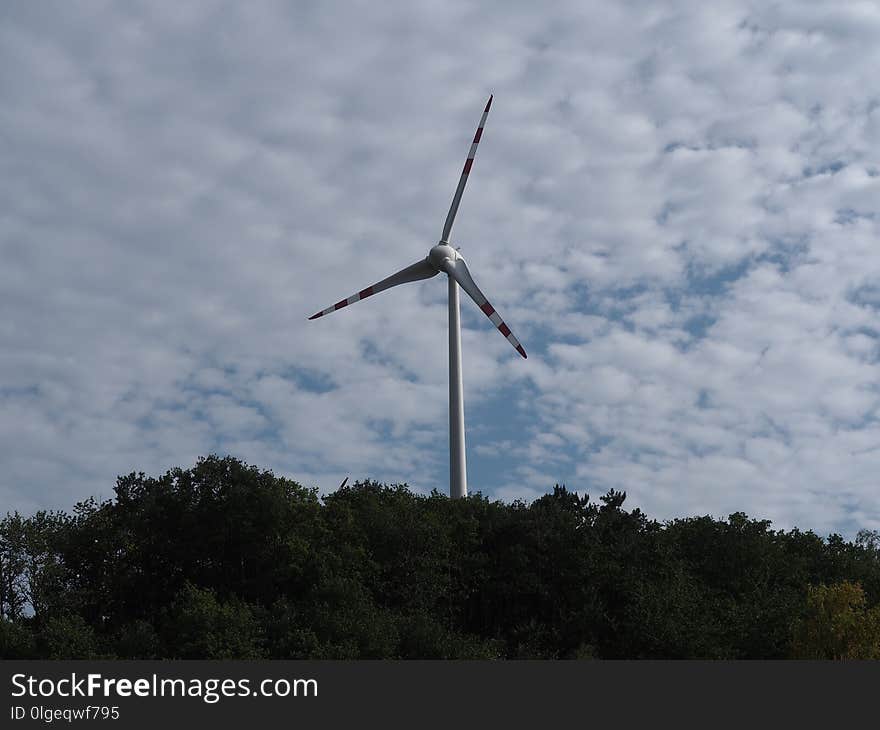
419, 270
456, 199
458, 270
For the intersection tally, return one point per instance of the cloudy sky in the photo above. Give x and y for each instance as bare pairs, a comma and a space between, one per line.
674, 206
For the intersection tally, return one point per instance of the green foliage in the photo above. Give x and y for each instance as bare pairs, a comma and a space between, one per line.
137, 640
224, 560
13, 567
29, 568
16, 640
198, 626
837, 624
68, 637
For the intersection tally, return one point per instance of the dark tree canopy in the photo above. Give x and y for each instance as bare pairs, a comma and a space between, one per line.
226, 561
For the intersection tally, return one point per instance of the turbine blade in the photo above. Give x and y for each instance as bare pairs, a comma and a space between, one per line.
456, 199
419, 270
458, 270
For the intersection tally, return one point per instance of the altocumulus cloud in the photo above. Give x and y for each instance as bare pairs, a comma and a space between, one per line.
674, 205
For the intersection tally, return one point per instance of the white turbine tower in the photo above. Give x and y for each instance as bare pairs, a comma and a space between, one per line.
443, 257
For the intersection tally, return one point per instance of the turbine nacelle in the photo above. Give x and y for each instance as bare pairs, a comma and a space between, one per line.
440, 253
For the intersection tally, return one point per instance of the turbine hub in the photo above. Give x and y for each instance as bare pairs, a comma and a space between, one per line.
441, 252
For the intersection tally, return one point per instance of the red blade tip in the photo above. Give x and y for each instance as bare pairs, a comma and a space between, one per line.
488, 103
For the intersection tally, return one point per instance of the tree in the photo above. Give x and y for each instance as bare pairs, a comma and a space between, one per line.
837, 624
17, 640
223, 560
198, 626
13, 561
68, 636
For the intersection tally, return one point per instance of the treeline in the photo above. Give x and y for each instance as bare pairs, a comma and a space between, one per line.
226, 561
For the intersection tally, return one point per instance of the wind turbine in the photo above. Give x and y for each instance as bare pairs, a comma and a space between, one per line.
443, 257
